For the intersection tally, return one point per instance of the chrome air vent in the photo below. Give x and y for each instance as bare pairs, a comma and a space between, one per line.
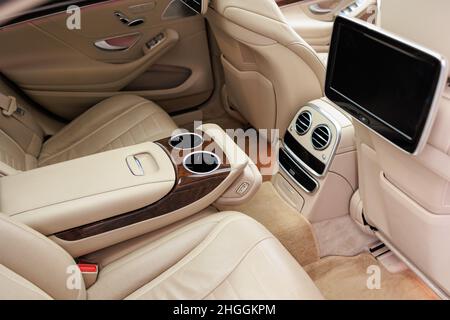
321, 137
303, 122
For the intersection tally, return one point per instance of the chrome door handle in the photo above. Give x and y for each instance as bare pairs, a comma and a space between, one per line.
118, 43
102, 44
125, 20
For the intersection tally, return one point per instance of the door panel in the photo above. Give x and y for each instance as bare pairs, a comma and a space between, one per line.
66, 72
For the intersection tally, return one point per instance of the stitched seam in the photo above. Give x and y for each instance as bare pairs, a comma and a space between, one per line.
95, 131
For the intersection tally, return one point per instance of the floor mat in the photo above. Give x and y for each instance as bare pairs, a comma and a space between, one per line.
341, 237
346, 278
289, 226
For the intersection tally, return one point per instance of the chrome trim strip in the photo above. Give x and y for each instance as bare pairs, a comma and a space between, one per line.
333, 151
202, 173
330, 135
186, 134
304, 171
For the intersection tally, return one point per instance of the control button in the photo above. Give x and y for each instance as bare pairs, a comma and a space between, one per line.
155, 41
363, 119
243, 188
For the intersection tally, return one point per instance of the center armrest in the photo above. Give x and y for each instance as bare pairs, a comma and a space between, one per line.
89, 189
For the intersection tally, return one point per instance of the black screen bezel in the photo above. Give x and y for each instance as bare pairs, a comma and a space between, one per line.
195, 5
393, 135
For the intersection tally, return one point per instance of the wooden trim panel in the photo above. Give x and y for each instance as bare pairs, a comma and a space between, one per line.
188, 189
281, 3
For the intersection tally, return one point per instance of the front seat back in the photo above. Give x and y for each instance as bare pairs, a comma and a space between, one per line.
270, 72
407, 198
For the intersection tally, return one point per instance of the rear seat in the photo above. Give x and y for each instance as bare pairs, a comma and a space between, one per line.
116, 122
225, 255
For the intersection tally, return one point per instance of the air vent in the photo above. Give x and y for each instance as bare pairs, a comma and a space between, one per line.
321, 137
303, 122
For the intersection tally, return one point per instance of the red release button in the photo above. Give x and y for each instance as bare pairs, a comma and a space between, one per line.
88, 268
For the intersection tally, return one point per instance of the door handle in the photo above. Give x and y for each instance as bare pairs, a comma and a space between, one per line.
120, 43
127, 21
102, 44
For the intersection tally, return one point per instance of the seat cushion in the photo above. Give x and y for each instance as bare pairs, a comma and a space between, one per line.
116, 122
223, 256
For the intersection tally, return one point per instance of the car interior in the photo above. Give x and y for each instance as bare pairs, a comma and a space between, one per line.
224, 149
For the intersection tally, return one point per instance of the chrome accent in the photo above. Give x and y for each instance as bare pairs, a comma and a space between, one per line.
103, 45
303, 122
185, 134
136, 22
286, 171
125, 20
321, 137
177, 10
202, 173
439, 88
333, 153
187, 5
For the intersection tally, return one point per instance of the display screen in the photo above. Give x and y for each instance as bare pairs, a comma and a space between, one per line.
195, 5
385, 83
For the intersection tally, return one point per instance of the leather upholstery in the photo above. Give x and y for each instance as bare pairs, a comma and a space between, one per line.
117, 122
20, 141
222, 256
32, 266
262, 53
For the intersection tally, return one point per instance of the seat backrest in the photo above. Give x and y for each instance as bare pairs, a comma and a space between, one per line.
407, 198
21, 137
34, 267
270, 71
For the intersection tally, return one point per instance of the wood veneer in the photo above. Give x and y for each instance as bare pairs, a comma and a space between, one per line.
281, 3
188, 189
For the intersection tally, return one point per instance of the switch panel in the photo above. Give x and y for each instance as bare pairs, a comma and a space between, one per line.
155, 41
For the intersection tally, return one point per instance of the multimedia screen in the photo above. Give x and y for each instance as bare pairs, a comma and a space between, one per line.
387, 84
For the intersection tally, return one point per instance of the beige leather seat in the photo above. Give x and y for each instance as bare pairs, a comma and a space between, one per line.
223, 256
270, 71
116, 122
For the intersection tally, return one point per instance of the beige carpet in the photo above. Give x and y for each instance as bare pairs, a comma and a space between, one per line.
341, 237
289, 226
344, 278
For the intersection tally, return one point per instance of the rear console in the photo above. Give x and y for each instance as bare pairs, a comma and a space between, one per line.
317, 161
123, 193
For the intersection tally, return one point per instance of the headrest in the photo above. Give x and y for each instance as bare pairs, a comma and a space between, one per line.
425, 22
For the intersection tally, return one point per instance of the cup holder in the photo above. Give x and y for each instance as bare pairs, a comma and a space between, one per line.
201, 162
185, 141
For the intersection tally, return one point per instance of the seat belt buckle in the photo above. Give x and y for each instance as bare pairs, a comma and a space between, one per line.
89, 272
11, 108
